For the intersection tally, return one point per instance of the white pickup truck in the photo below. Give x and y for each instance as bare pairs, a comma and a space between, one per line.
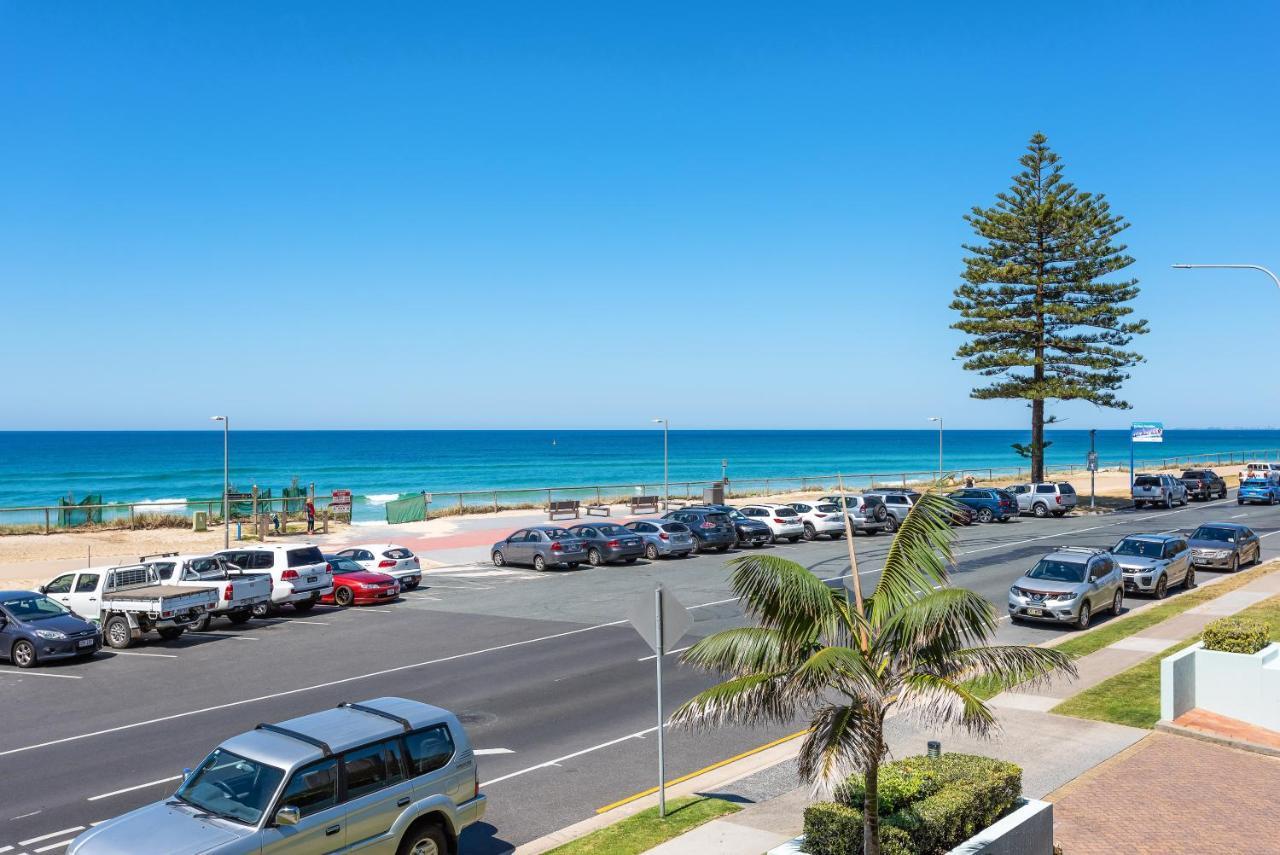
238, 591
129, 601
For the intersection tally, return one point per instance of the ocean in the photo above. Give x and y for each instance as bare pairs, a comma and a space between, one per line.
36, 468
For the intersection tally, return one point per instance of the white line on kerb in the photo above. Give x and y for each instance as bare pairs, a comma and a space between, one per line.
135, 787
61, 833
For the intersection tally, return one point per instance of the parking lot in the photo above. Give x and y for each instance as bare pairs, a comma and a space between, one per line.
554, 687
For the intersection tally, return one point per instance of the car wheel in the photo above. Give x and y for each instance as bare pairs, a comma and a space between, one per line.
171, 633
1189, 581
1117, 603
985, 515
23, 654
202, 623
241, 617
262, 610
117, 632
1239, 501
891, 523
498, 558
724, 548
1235, 564
343, 596
1162, 588
425, 839
809, 532
304, 605
651, 552
594, 558
697, 546
1168, 502
1082, 622
539, 563
1041, 510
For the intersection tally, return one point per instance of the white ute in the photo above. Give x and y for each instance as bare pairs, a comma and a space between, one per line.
238, 591
129, 601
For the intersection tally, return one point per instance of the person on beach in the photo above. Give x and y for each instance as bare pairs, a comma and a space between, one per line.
275, 522
968, 480
311, 517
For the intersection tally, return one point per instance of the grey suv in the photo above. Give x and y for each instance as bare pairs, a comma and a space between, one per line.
1044, 499
1068, 586
897, 504
1158, 490
385, 775
1152, 562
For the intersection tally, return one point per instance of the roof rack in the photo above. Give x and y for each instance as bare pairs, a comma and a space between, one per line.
1092, 550
301, 737
157, 555
400, 720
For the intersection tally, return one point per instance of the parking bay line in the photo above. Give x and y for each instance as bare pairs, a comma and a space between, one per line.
170, 779
53, 846
140, 653
61, 833
31, 673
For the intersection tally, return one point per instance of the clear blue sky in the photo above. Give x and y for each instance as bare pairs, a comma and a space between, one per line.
589, 214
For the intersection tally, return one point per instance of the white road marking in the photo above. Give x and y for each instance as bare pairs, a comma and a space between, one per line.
223, 635
135, 787
61, 833
637, 735
303, 689
654, 656
137, 653
25, 815
1237, 516
4, 849
29, 673
58, 845
306, 623
484, 752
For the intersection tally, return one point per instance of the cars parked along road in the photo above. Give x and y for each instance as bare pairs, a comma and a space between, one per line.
989, 504
783, 521
1224, 546
392, 559
35, 629
663, 538
1203, 484
541, 546
867, 514
239, 591
897, 504
1068, 586
822, 518
1265, 491
1158, 490
711, 529
299, 574
1045, 499
384, 775
1152, 563
355, 586
608, 542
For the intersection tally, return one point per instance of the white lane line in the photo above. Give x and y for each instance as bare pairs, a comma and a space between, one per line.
303, 689
4, 849
135, 787
63, 833
29, 673
52, 846
24, 815
1237, 516
485, 752
137, 653
223, 635
306, 623
654, 656
640, 734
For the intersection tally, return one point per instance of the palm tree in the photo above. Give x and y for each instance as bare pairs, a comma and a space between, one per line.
916, 645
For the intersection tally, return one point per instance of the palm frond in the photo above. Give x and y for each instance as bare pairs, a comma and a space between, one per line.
843, 669
918, 557
1003, 666
750, 700
742, 651
784, 596
843, 738
936, 623
935, 701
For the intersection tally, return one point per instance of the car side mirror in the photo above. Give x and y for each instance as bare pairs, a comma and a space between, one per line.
288, 815
41, 589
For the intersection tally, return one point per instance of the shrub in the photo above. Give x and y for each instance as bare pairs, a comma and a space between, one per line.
927, 805
1236, 635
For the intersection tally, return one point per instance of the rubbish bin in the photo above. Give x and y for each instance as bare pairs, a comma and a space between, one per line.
200, 521
713, 495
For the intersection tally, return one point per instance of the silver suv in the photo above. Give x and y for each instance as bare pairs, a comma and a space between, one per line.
897, 503
1152, 562
1045, 499
386, 775
1158, 490
1068, 586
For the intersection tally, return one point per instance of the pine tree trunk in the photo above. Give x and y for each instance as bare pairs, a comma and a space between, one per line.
1037, 440
871, 809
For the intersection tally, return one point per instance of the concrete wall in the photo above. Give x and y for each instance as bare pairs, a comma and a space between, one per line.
1244, 687
1026, 831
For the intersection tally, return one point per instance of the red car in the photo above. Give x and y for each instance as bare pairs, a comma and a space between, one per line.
355, 586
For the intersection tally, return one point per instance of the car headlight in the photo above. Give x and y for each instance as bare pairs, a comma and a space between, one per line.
1220, 553
51, 634
1017, 592
1069, 595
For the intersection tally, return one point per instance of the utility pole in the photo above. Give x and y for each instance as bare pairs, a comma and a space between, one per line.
1093, 469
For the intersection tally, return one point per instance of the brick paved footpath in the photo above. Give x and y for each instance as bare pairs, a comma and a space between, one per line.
1170, 795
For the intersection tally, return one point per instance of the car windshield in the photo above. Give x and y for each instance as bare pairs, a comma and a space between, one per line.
721, 519
232, 787
35, 607
1140, 548
305, 555
675, 527
1052, 570
785, 512
1192, 474
558, 533
206, 569
829, 509
1146, 481
1214, 532
736, 514
397, 553
1254, 482
611, 530
345, 565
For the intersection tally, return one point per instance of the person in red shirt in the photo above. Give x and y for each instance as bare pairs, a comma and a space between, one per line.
311, 517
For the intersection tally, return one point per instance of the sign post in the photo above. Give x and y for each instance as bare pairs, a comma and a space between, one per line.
668, 623
1143, 432
1092, 462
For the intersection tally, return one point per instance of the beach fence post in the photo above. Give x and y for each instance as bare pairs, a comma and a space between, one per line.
46, 521
131, 516
495, 501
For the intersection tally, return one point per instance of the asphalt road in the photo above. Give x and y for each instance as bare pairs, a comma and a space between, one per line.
554, 687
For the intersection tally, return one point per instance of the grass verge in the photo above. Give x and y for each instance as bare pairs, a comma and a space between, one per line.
1132, 697
645, 830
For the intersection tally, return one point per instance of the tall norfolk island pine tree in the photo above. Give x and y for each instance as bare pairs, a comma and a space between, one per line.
1042, 318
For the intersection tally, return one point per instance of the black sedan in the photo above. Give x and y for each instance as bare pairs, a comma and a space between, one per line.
34, 629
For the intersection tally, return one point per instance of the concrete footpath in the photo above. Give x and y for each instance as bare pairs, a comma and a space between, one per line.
1052, 750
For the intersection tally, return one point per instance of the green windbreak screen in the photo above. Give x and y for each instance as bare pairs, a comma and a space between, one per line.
71, 513
408, 509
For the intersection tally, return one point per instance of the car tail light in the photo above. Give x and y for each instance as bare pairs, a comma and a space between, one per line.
779, 520
613, 544
227, 592
386, 562
1058, 499
289, 574
707, 524
328, 568
662, 535
557, 546
820, 516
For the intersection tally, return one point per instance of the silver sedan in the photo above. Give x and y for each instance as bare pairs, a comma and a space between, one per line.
542, 546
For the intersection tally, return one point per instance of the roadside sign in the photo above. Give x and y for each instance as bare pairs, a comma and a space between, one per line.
340, 502
1147, 432
239, 497
1091, 461
676, 619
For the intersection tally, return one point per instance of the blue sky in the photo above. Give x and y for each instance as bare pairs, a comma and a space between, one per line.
584, 215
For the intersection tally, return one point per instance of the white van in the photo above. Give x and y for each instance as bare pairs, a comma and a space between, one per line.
299, 574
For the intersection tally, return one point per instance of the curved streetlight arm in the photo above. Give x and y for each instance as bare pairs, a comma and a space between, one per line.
1274, 278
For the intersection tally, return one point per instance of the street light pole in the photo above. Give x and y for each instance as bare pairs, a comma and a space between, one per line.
226, 479
666, 483
1274, 278
938, 419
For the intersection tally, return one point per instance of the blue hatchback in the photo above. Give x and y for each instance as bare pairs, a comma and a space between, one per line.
34, 629
988, 504
1265, 490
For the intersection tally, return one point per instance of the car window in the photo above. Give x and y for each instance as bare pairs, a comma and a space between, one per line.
610, 530
1045, 488
305, 555
585, 531
1066, 489
60, 585
804, 509
263, 560
204, 570
675, 528
373, 767
785, 512
1246, 532
164, 569
429, 749
1146, 481
896, 500
313, 788
557, 533
398, 553
829, 509
87, 583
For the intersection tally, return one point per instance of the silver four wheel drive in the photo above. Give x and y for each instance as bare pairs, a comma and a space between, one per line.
1162, 490
1153, 563
1068, 586
386, 775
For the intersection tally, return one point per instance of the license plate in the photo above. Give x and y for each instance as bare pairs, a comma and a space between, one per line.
85, 642
1036, 612
312, 578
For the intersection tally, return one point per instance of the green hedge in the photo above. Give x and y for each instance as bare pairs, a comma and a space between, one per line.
927, 805
1236, 635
